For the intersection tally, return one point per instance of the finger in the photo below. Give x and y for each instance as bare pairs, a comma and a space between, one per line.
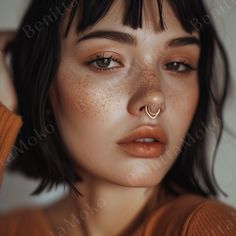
7, 91
5, 38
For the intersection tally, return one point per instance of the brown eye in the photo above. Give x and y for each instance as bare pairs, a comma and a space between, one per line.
104, 63
179, 67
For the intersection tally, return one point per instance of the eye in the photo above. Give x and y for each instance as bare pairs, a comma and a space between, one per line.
102, 63
179, 67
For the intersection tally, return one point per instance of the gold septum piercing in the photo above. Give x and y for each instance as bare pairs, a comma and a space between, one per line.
151, 114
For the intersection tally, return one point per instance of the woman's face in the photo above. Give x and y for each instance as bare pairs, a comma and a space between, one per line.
98, 103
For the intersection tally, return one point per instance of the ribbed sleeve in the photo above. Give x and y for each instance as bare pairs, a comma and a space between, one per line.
10, 123
24, 222
191, 215
212, 218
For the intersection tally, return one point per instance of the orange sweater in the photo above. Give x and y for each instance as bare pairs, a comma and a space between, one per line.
187, 214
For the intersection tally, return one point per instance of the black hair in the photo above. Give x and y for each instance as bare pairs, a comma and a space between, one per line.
35, 61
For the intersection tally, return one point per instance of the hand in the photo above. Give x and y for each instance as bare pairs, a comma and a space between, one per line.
8, 96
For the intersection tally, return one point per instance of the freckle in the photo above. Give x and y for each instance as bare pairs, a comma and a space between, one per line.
92, 100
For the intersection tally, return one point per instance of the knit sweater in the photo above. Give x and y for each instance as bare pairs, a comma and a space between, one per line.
185, 215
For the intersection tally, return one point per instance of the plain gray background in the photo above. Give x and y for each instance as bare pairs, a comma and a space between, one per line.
15, 189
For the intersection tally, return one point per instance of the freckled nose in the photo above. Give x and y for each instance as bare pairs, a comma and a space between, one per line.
147, 93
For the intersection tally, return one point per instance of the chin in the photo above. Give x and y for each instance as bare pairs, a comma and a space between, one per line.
149, 181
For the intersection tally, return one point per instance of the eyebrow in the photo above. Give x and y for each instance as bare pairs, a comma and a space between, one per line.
117, 36
129, 39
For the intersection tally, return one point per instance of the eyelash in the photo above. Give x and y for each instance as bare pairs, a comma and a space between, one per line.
101, 57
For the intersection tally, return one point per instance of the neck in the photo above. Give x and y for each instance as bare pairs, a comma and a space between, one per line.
107, 209
104, 209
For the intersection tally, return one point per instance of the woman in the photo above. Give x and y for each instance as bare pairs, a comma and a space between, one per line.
116, 99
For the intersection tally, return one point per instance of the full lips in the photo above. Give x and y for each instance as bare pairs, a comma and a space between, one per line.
141, 149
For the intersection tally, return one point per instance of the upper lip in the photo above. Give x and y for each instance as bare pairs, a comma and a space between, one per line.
145, 132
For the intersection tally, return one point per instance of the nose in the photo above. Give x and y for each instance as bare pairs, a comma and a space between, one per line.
148, 93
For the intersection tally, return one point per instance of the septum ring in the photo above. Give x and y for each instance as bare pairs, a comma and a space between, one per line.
151, 114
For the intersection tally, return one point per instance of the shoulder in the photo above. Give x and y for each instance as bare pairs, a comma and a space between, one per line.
24, 221
211, 217
190, 215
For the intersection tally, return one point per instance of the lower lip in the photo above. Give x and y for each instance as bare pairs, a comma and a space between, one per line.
138, 149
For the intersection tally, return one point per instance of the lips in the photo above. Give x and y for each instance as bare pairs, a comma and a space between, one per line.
144, 149
155, 132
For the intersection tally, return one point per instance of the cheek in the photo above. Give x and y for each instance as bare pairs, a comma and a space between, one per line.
85, 107
86, 110
76, 103
79, 109
83, 96
75, 96
181, 106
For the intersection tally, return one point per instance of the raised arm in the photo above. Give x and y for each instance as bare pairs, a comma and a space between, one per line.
10, 124
10, 121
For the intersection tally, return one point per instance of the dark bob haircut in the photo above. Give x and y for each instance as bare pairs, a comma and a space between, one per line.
39, 151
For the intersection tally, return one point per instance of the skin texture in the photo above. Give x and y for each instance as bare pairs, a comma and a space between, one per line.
95, 109
7, 92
